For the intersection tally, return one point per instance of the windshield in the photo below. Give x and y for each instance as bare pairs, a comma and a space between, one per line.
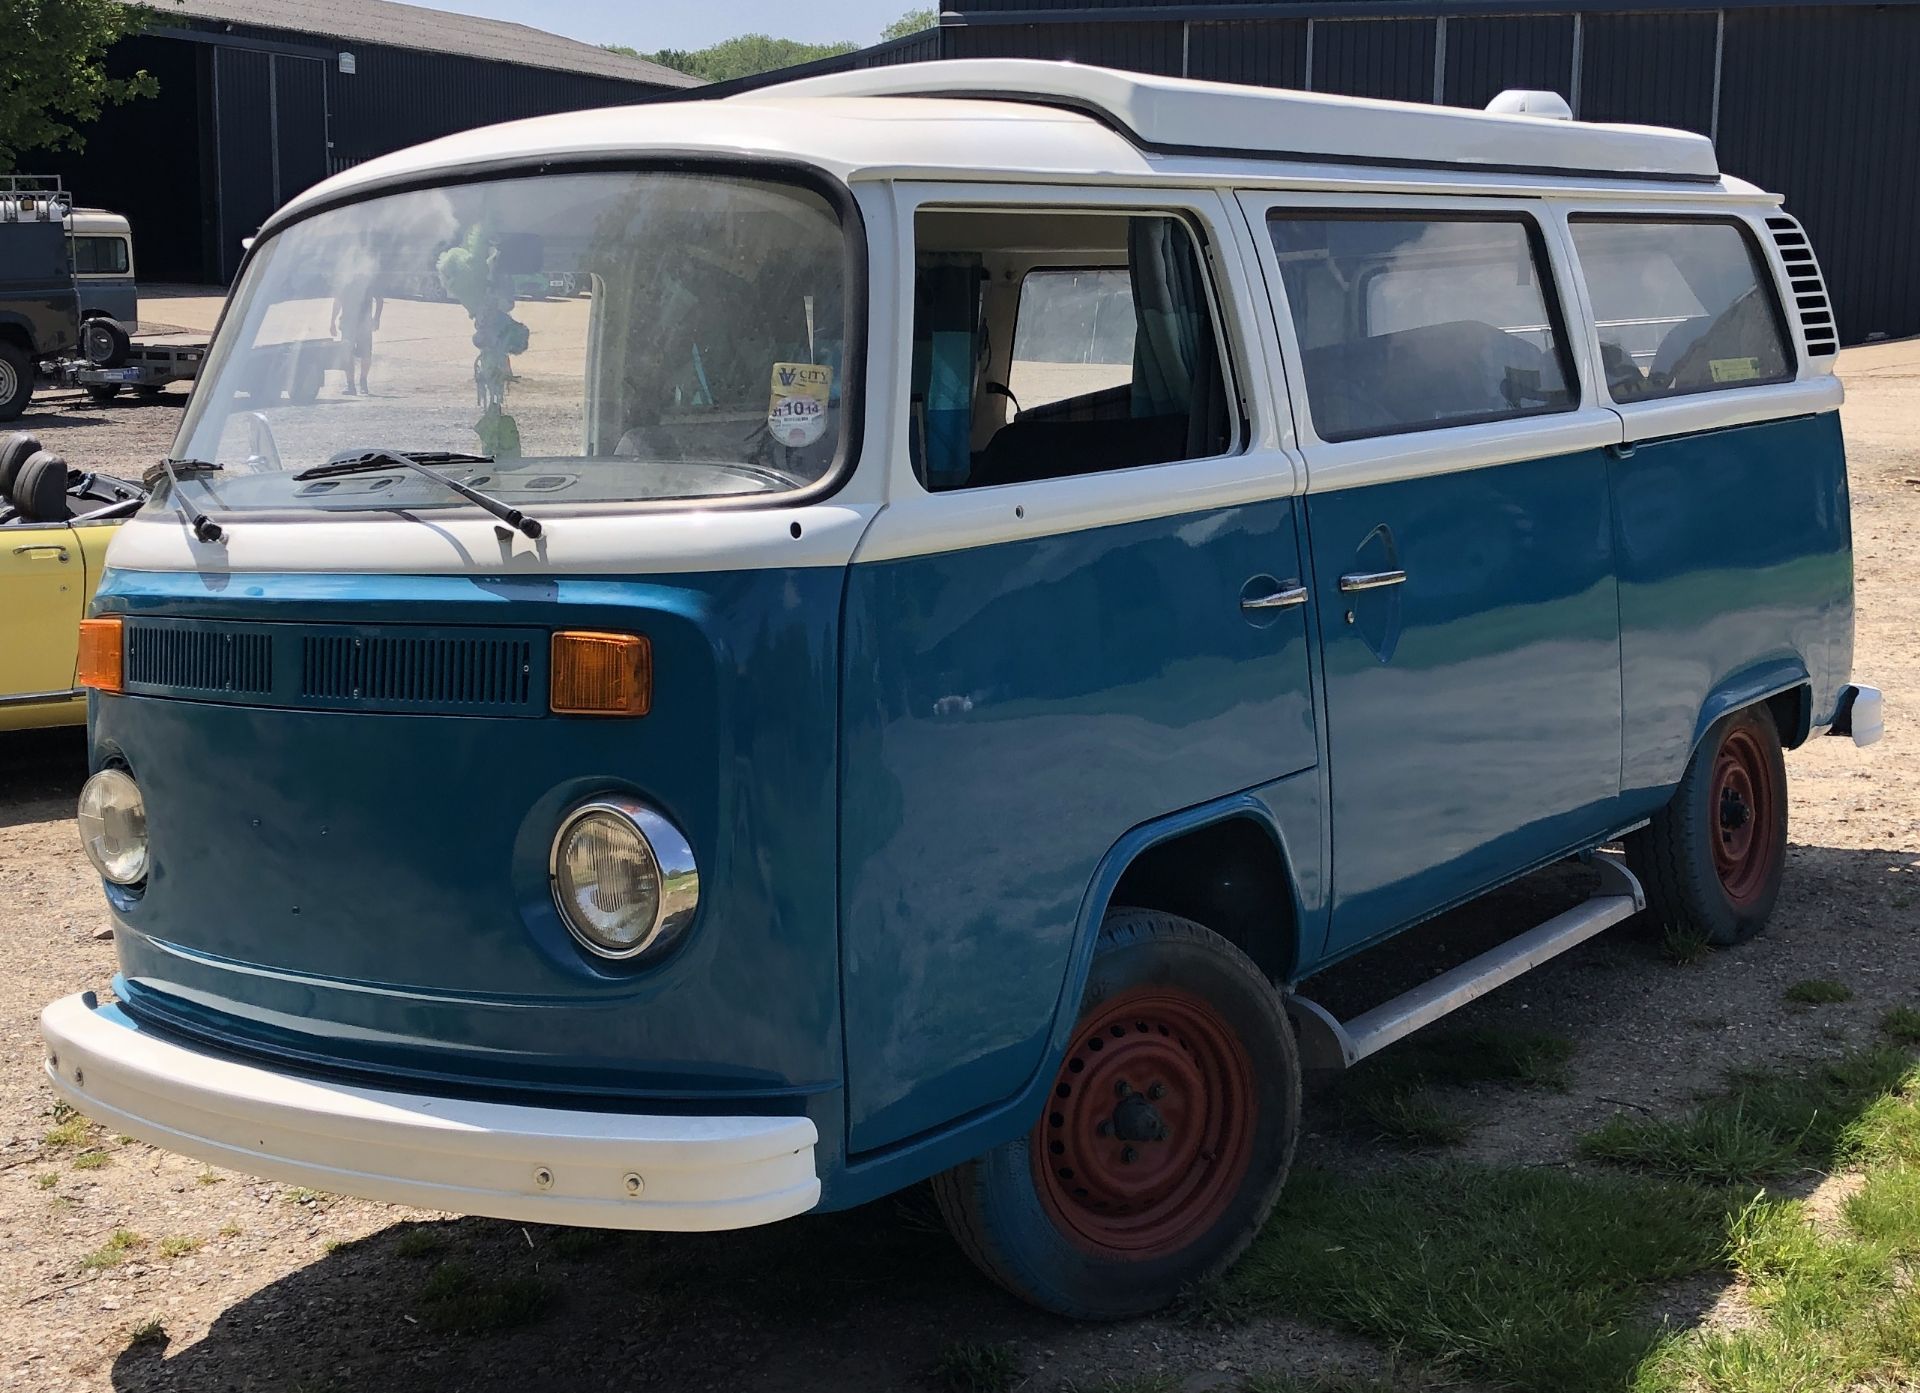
599, 337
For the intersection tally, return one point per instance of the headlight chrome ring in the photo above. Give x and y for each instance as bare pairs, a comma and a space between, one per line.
113, 826
622, 877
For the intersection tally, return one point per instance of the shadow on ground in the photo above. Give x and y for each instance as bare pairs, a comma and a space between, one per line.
40, 774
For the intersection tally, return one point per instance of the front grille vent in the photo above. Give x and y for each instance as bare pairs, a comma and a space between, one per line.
191, 660
394, 671
1808, 286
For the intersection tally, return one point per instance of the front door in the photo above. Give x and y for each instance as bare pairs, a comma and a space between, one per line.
1460, 531
42, 592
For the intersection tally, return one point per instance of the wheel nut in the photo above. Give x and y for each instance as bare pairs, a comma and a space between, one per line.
1157, 1092
1121, 1090
1127, 1155
1105, 1128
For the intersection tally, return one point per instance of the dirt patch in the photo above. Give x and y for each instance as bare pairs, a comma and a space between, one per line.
263, 1287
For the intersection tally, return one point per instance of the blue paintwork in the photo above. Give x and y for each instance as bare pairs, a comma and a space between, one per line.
370, 891
1473, 713
1010, 713
1736, 581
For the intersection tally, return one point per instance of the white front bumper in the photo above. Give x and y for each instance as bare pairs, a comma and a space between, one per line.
543, 1165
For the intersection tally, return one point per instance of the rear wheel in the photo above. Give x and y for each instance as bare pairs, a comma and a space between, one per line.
16, 380
1166, 1136
1713, 858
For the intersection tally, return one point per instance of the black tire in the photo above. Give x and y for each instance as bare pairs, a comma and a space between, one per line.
103, 343
1094, 1259
16, 380
16, 448
1713, 858
103, 392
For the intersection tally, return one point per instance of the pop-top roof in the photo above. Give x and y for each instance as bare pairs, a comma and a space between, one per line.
1171, 115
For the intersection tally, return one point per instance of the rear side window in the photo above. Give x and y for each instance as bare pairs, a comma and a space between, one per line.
1410, 323
1682, 307
100, 256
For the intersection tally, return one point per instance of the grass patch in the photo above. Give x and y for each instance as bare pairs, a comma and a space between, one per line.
230, 1230
1532, 1277
1817, 991
206, 1177
1769, 1123
148, 1332
46, 1180
120, 1245
1683, 946
977, 1366
300, 1194
91, 1160
1408, 1117
70, 1132
420, 1243
576, 1245
455, 1298
1902, 1023
178, 1245
1388, 1096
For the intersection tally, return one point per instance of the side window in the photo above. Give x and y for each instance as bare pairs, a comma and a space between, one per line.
1073, 336
1409, 323
1055, 343
99, 256
1682, 307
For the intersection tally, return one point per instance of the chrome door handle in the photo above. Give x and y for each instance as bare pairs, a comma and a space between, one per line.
43, 549
1287, 597
1371, 580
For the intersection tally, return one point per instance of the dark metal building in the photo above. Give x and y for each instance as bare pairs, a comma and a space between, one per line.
261, 98
1814, 101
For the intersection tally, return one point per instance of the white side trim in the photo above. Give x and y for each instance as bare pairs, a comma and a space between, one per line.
465, 542
1388, 458
540, 1165
1738, 406
923, 524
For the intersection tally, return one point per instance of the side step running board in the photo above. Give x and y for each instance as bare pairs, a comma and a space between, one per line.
1326, 1043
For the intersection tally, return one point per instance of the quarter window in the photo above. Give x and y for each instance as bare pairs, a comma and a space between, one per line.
100, 256
1681, 307
1410, 323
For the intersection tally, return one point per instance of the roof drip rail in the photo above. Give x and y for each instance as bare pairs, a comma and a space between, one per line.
1181, 116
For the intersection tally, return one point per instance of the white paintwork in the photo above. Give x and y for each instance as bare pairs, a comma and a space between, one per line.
1516, 101
1868, 719
1176, 112
455, 1155
1702, 411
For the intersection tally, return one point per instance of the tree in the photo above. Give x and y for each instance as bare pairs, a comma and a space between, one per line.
745, 56
912, 22
53, 75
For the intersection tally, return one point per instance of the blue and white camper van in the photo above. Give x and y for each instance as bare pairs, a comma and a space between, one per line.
1009, 569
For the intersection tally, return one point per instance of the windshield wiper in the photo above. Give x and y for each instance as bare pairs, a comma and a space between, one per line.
378, 458
173, 470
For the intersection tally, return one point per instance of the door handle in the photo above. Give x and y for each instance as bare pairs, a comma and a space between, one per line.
42, 550
1371, 580
1622, 450
1289, 596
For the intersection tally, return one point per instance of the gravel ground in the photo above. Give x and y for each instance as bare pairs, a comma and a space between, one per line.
263, 1287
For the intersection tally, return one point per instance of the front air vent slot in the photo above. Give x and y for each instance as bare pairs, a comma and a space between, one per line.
1808, 287
193, 660
450, 670
404, 671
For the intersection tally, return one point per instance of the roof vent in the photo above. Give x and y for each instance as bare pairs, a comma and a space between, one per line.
1809, 287
1517, 101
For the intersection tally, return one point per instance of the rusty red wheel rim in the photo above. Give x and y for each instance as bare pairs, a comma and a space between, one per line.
1743, 806
1149, 1130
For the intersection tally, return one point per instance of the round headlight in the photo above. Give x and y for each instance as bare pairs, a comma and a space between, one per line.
623, 877
113, 826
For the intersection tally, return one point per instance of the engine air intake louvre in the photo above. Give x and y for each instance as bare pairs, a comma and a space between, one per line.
187, 661
1807, 285
396, 672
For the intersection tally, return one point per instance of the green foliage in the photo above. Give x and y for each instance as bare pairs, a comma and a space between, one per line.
120, 1244
53, 74
912, 22
975, 1366
454, 1297
1817, 991
744, 56
1903, 1024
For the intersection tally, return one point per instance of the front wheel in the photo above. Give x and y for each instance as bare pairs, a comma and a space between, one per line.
1164, 1140
1712, 859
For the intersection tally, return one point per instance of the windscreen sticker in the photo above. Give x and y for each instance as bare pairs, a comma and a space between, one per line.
797, 410
1735, 369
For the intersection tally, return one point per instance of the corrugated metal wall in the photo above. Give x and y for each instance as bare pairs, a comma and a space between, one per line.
1811, 102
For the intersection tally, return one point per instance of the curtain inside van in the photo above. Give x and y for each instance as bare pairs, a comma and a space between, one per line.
946, 347
1173, 345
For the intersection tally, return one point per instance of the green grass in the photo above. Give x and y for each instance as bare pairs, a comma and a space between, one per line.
1532, 1277
72, 1131
1408, 1118
1817, 991
578, 1245
148, 1332
1766, 1125
91, 1160
977, 1366
46, 1180
1681, 946
206, 1177
1902, 1023
178, 1245
420, 1242
455, 1298
1388, 1097
120, 1245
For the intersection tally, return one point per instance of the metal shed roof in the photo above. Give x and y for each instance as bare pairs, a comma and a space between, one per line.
433, 31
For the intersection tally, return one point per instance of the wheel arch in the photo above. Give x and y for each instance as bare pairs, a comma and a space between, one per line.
18, 333
1783, 684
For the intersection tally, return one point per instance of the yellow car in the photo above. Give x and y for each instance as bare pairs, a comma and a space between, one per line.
55, 524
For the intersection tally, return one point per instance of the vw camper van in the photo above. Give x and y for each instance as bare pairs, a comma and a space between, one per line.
1011, 569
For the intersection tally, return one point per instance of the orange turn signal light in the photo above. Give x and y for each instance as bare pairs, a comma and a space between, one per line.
597, 674
101, 647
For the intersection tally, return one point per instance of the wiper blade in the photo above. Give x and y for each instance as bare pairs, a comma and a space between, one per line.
173, 470
421, 462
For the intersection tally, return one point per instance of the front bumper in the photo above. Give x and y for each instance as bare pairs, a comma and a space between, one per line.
540, 1165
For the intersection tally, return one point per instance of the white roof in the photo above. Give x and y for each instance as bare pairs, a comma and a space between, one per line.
1180, 115
1139, 130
